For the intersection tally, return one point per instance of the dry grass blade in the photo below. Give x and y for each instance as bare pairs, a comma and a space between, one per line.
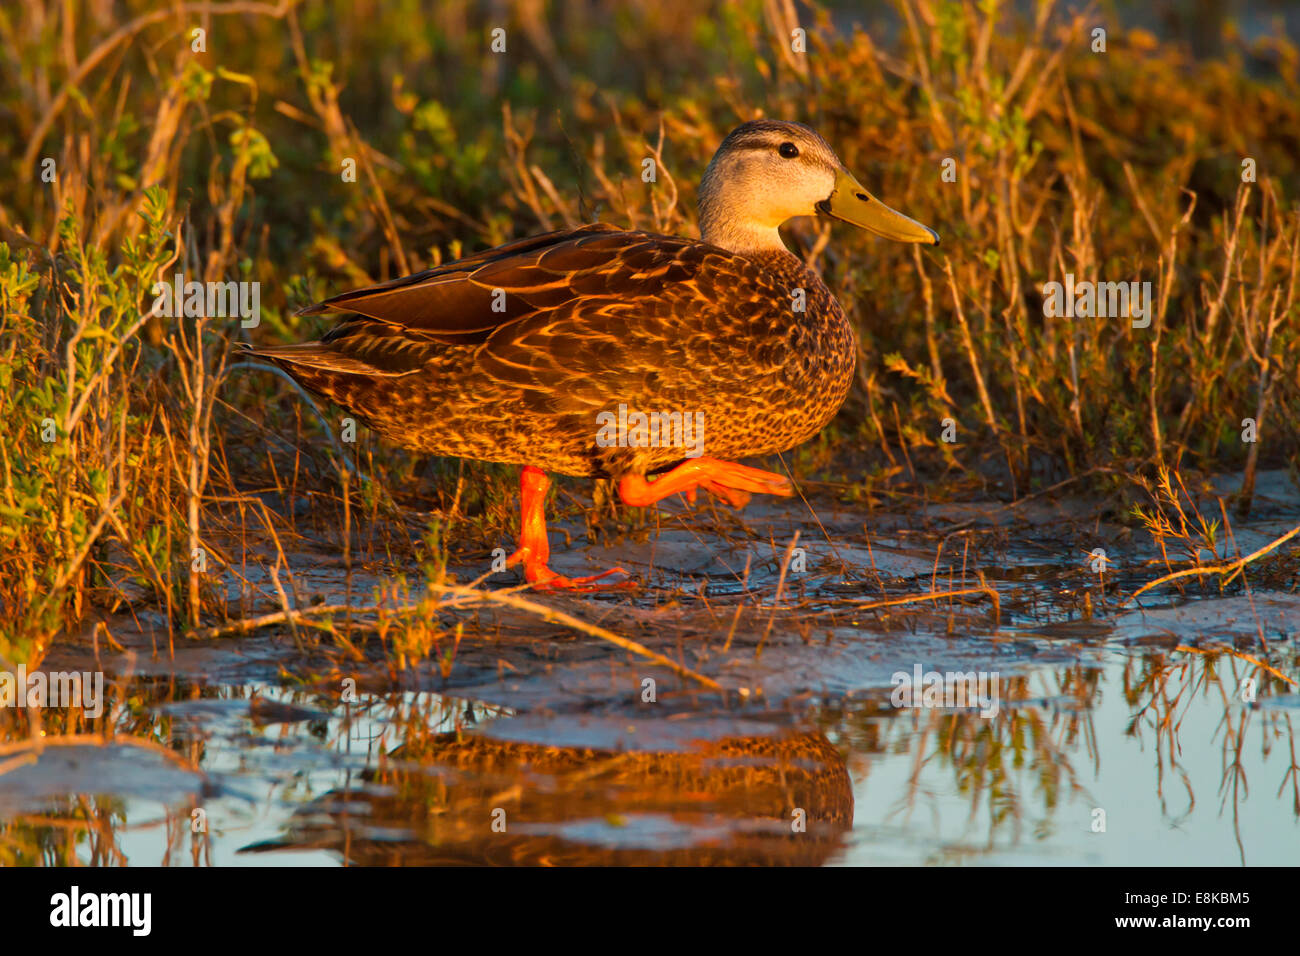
1231, 569
1232, 652
249, 624
780, 589
986, 590
552, 616
463, 596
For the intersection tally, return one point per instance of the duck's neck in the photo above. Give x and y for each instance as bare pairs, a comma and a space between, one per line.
739, 236
728, 221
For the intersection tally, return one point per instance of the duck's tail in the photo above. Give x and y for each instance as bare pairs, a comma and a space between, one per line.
322, 356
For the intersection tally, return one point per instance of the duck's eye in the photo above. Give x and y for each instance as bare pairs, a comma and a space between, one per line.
789, 150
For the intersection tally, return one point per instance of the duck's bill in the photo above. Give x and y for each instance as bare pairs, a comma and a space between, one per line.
853, 204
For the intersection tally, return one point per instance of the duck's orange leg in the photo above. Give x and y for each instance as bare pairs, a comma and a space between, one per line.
731, 482
534, 551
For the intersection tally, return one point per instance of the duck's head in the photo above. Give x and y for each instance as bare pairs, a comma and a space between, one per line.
767, 172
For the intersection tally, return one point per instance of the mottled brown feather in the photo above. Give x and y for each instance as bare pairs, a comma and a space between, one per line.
593, 317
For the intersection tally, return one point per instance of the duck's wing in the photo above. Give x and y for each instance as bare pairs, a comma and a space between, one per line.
391, 327
452, 299
672, 322
577, 317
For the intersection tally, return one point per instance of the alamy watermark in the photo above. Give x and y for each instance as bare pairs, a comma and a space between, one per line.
634, 429
83, 689
130, 910
954, 690
1104, 300
209, 300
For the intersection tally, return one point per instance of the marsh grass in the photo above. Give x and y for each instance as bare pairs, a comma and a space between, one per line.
226, 164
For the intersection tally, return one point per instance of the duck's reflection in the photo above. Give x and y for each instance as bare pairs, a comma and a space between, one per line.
476, 800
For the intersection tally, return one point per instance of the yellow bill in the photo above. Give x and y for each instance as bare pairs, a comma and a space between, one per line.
851, 203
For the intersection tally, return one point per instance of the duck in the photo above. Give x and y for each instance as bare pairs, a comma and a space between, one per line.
600, 352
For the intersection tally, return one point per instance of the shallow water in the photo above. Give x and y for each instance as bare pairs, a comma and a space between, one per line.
1111, 734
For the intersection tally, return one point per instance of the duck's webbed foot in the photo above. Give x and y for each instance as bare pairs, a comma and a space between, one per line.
731, 482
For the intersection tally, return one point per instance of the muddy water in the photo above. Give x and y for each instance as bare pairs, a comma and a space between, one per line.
1108, 731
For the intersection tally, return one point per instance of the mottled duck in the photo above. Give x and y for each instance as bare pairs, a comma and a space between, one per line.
603, 352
